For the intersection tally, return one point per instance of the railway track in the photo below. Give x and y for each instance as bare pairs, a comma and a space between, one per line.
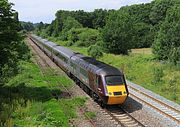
156, 104
120, 116
44, 63
123, 118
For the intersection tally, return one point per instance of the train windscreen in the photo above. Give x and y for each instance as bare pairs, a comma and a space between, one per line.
114, 80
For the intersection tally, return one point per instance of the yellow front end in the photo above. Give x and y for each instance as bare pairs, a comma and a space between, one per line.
116, 94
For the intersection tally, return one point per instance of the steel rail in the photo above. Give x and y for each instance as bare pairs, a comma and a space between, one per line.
93, 124
154, 107
145, 94
118, 120
123, 117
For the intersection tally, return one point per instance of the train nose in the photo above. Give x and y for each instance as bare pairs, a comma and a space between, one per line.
116, 94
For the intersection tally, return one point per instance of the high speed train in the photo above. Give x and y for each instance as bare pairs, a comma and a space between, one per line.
102, 82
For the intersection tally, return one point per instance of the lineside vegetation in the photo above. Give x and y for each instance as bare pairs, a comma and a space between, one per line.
152, 25
28, 99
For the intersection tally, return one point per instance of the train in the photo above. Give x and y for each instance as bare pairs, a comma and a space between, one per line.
104, 83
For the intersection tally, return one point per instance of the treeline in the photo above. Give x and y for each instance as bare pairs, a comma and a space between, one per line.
12, 47
154, 24
27, 26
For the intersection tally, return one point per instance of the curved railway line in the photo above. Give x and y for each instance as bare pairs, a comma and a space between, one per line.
121, 117
44, 63
118, 114
156, 104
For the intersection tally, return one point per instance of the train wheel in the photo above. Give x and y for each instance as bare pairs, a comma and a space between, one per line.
81, 85
93, 96
102, 104
88, 91
77, 81
85, 89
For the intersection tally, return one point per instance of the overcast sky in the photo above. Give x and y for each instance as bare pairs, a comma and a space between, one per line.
44, 10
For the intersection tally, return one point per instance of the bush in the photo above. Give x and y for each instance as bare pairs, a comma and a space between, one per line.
95, 51
89, 37
73, 34
158, 75
84, 37
68, 24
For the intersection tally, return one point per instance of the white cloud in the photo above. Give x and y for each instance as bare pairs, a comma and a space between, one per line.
44, 10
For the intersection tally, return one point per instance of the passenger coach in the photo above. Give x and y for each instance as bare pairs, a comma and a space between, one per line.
103, 82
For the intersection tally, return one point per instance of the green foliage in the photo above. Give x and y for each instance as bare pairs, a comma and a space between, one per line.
90, 115
157, 75
83, 37
117, 34
173, 87
159, 9
27, 26
29, 99
12, 49
140, 12
95, 51
99, 18
68, 24
167, 43
140, 69
88, 37
143, 35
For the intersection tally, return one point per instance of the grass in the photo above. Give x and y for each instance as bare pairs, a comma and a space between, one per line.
140, 67
90, 115
28, 100
142, 51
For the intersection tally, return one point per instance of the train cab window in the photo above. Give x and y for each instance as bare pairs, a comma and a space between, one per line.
114, 80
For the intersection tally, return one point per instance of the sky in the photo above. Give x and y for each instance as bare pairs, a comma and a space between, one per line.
44, 10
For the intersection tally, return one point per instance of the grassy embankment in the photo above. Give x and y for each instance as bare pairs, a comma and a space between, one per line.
28, 100
141, 68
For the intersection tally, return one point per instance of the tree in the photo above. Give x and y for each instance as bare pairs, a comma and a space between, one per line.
83, 37
117, 34
85, 18
68, 24
158, 11
99, 18
140, 12
12, 49
143, 37
167, 43
28, 26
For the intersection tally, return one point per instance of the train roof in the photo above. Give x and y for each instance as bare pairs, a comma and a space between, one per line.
86, 62
109, 70
101, 68
44, 40
97, 66
50, 44
67, 52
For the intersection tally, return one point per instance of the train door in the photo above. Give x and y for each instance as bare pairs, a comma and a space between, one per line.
92, 80
99, 85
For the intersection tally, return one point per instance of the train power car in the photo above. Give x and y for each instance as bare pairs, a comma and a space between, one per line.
103, 82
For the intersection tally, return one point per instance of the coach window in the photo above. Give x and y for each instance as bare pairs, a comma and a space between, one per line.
83, 72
